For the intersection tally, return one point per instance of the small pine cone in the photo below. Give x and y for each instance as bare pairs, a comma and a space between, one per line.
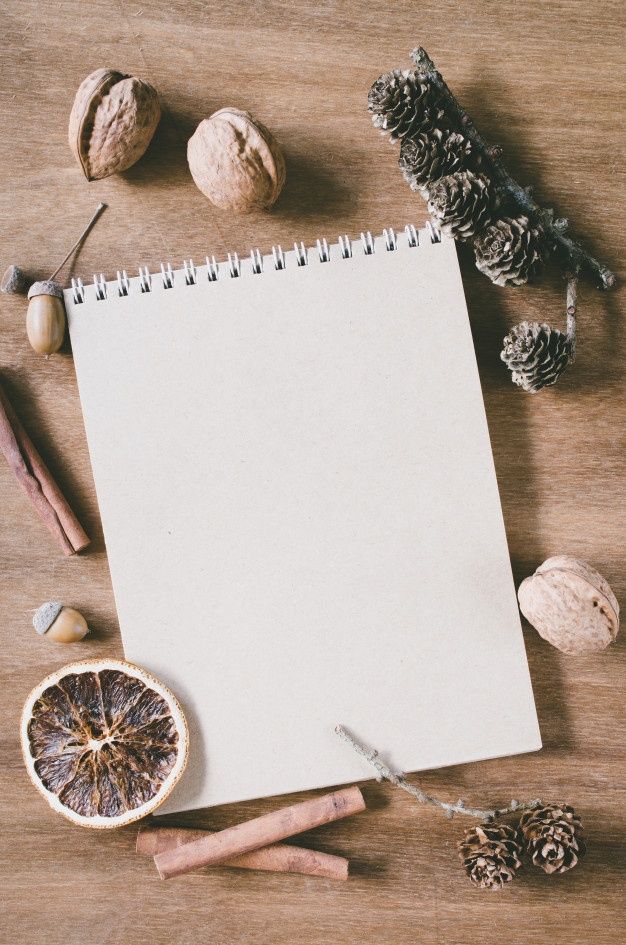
433, 154
403, 103
553, 837
536, 355
511, 251
462, 204
491, 854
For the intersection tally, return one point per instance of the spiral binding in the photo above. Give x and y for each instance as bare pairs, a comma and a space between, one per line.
234, 265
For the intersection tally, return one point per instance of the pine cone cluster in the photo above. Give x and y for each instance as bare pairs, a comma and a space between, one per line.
536, 355
551, 836
438, 160
460, 185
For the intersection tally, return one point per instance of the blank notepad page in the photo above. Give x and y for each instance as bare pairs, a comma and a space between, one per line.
301, 514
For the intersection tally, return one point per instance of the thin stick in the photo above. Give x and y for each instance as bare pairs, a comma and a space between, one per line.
99, 209
570, 313
400, 781
577, 257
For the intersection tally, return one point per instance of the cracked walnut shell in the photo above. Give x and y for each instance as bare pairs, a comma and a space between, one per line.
570, 605
236, 162
112, 121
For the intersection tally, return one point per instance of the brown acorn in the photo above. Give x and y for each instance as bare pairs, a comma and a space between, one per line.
60, 624
45, 319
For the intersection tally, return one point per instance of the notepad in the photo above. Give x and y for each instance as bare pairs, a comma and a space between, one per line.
301, 513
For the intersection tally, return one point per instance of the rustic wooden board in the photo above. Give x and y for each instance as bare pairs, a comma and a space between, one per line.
544, 81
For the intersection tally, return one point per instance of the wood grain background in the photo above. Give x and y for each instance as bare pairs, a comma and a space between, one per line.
546, 82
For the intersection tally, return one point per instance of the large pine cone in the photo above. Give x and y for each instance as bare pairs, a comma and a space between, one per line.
536, 355
433, 154
553, 837
403, 103
462, 204
491, 854
511, 251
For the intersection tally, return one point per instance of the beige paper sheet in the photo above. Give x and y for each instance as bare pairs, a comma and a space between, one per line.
302, 518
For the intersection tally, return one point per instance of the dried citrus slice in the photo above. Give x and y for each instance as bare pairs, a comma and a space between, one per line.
104, 742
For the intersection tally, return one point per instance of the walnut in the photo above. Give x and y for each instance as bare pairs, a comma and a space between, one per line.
235, 161
112, 121
570, 605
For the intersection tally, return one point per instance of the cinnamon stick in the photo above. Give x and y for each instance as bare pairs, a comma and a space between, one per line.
36, 480
275, 858
218, 847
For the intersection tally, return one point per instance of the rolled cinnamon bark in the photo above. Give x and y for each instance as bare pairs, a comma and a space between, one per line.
276, 858
261, 832
35, 479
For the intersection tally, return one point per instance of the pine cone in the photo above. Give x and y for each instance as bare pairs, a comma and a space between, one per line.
536, 355
491, 854
462, 204
553, 837
403, 103
511, 251
433, 154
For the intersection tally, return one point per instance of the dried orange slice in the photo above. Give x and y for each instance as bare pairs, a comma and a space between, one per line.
104, 742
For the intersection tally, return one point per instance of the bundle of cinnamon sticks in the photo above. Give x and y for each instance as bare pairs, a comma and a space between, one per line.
255, 844
37, 482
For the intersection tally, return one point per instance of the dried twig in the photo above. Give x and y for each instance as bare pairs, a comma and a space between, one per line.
576, 258
570, 313
400, 781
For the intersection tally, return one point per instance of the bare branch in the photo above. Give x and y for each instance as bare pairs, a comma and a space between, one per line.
400, 781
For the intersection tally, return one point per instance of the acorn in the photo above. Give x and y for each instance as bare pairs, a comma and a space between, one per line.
60, 624
45, 319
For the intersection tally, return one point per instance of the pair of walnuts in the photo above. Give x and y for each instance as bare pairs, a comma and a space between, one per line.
234, 160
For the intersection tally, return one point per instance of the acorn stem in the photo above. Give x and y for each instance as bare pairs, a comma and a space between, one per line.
99, 209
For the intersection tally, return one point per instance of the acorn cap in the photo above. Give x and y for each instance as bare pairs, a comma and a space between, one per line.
47, 287
46, 615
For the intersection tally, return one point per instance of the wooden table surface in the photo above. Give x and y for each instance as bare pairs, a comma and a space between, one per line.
545, 82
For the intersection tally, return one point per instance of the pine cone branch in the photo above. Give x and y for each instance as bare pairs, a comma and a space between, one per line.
403, 103
512, 251
433, 154
553, 837
574, 256
462, 204
490, 854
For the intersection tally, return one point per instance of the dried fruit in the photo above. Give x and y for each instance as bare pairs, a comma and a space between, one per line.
235, 161
103, 741
112, 121
570, 605
60, 624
